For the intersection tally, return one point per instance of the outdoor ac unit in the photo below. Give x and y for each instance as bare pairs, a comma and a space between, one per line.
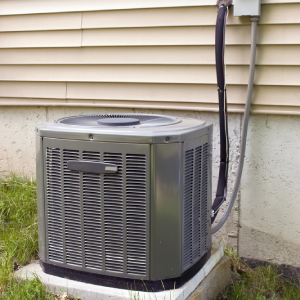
124, 199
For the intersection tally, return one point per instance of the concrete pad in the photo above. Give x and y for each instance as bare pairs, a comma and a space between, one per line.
87, 291
215, 283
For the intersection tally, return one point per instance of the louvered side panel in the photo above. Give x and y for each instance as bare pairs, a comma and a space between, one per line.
72, 210
188, 208
113, 209
98, 223
92, 215
136, 213
197, 204
204, 195
54, 205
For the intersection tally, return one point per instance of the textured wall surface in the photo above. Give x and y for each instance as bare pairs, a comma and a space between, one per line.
17, 136
270, 210
264, 223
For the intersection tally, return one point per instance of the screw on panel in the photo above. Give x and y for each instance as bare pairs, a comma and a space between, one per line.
91, 137
167, 138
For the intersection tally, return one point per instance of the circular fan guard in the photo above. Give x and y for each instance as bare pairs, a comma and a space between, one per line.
106, 120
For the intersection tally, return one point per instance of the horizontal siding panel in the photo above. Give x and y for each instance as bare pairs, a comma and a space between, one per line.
121, 55
117, 103
40, 39
112, 73
161, 17
118, 91
33, 89
204, 55
152, 92
278, 34
158, 17
15, 7
270, 75
235, 35
40, 22
287, 13
279, 1
163, 36
273, 55
234, 108
263, 95
273, 109
186, 16
276, 95
109, 37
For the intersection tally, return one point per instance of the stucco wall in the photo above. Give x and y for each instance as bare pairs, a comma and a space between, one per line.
264, 223
270, 210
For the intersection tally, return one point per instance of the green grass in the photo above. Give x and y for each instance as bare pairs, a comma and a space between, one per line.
30, 289
18, 238
258, 284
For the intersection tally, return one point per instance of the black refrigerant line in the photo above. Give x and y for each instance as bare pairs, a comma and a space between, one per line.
221, 194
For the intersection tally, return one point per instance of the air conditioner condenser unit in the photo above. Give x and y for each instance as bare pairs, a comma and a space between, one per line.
124, 199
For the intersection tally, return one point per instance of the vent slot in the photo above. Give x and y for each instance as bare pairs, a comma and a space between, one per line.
136, 214
72, 210
188, 208
54, 205
91, 194
113, 209
197, 204
204, 195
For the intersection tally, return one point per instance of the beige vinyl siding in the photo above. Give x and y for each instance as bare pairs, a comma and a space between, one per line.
278, 55
13, 7
122, 54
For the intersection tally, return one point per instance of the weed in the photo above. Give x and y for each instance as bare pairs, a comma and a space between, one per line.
257, 284
27, 290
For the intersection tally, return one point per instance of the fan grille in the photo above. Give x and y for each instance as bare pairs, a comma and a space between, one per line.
146, 120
